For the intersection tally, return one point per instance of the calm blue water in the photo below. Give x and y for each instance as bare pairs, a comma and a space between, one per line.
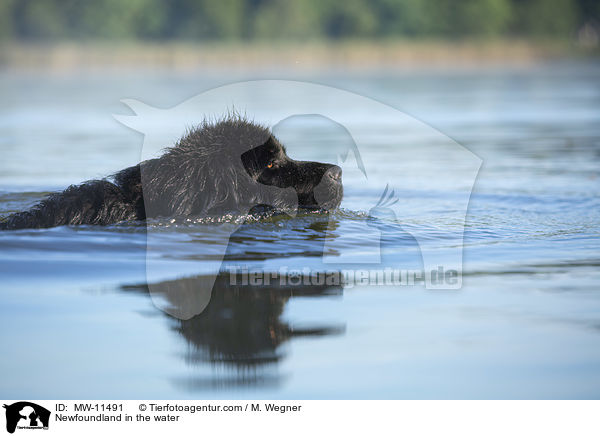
77, 318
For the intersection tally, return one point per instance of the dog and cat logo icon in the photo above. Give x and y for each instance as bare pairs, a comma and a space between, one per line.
26, 415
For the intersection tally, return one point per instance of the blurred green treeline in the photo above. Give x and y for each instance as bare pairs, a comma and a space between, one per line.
299, 20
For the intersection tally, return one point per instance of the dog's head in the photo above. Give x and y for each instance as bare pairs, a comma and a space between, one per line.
233, 166
318, 185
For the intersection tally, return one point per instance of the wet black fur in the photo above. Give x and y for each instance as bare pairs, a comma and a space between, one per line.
225, 167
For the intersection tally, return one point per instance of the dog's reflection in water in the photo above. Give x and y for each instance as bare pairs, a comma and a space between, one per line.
241, 330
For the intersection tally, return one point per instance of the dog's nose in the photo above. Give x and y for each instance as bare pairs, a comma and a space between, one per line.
335, 173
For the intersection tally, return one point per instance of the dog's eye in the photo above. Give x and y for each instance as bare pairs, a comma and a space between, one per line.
270, 164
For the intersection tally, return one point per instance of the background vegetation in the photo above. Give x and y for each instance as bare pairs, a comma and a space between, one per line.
306, 20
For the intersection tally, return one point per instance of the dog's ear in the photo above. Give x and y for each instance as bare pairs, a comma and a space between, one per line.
258, 155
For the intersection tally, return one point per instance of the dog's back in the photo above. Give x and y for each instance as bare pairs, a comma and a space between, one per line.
94, 202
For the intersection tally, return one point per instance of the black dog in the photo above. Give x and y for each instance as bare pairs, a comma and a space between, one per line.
228, 167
